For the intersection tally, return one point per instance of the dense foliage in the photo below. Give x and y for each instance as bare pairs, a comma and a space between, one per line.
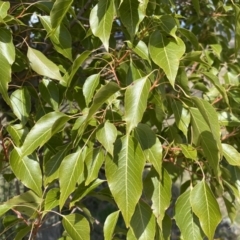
120, 100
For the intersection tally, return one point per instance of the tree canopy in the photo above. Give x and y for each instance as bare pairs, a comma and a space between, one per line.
121, 101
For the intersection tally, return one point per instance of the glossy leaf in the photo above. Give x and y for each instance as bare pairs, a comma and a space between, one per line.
50, 93
205, 206
231, 154
101, 19
90, 86
4, 6
143, 222
166, 53
124, 175
21, 104
76, 226
93, 161
190, 36
109, 225
18, 133
58, 12
159, 192
7, 48
51, 166
61, 37
131, 14
80, 59
28, 171
185, 219
107, 135
28, 199
136, 101
189, 151
203, 137
83, 190
52, 199
182, 116
70, 170
102, 95
228, 119
237, 28
42, 65
151, 146
140, 49
169, 25
42, 131
210, 116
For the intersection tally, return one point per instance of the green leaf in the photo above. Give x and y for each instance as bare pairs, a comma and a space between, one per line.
190, 36
28, 171
28, 199
80, 59
169, 25
205, 206
185, 219
21, 104
50, 93
83, 190
90, 86
21, 233
228, 119
101, 19
143, 222
7, 48
140, 49
196, 6
231, 209
58, 12
136, 101
151, 146
182, 116
93, 160
51, 166
107, 135
42, 131
210, 115
237, 28
42, 65
18, 133
124, 175
131, 14
51, 199
4, 6
102, 95
61, 37
203, 136
231, 154
189, 151
166, 53
159, 192
215, 81
70, 170
109, 225
76, 226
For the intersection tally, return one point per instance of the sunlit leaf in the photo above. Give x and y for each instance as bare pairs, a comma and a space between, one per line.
231, 154
136, 101
124, 175
143, 222
27, 169
166, 53
110, 224
76, 226
42, 65
205, 206
159, 192
70, 170
101, 19
185, 219
21, 104
151, 146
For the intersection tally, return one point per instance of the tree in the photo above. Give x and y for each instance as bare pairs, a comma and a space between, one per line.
120, 101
